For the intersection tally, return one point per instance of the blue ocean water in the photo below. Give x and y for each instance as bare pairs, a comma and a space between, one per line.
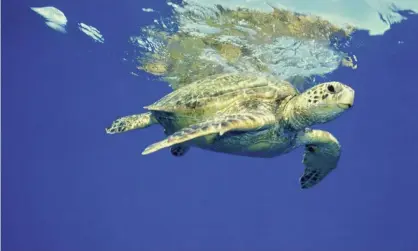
66, 185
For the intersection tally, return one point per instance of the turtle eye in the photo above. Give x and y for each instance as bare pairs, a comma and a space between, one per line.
310, 148
331, 88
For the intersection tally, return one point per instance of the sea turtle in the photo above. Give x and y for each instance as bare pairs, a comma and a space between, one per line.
248, 115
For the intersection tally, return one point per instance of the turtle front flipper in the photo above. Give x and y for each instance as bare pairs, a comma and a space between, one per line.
322, 153
219, 125
127, 123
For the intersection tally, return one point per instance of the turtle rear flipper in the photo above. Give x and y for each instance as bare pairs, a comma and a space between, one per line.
220, 125
131, 122
179, 150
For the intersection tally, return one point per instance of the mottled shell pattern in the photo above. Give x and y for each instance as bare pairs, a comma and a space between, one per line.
215, 93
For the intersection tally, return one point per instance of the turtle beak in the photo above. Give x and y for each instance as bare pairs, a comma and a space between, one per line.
345, 106
346, 101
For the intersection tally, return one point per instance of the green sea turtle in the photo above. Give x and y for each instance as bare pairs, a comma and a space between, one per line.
248, 115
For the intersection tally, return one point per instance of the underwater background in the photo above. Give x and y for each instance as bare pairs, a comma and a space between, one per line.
66, 185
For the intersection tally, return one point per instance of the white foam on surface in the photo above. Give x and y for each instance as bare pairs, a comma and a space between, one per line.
375, 16
92, 32
54, 18
147, 10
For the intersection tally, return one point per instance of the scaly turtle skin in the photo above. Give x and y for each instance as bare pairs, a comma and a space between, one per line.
248, 115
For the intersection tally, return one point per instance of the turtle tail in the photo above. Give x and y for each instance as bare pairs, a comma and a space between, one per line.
131, 122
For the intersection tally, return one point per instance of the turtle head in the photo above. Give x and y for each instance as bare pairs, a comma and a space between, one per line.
320, 104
